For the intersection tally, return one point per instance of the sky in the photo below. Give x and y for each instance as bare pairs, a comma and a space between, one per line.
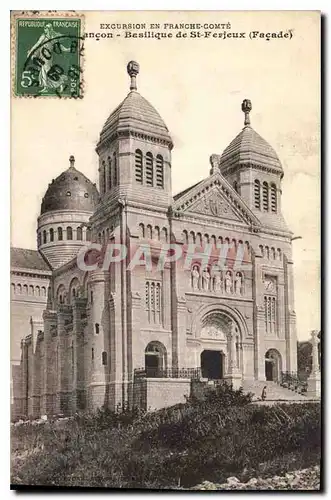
197, 85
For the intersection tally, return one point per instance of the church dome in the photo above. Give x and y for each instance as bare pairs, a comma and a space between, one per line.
135, 114
71, 190
249, 148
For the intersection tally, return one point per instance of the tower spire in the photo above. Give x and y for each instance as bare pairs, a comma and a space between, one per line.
133, 70
246, 108
72, 161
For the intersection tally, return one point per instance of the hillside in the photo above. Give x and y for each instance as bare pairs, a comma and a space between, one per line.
178, 447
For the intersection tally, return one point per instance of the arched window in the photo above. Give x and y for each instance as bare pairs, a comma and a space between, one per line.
37, 291
279, 254
104, 358
273, 196
79, 233
141, 230
149, 170
44, 237
149, 232
265, 196
69, 233
109, 173
39, 239
51, 234
115, 173
159, 172
235, 186
59, 234
192, 237
43, 291
88, 234
153, 301
157, 233
257, 194
25, 289
97, 328
261, 250
185, 236
19, 288
273, 253
103, 177
139, 166
31, 290
164, 234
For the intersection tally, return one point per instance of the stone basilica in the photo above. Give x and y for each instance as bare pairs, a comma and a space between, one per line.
119, 336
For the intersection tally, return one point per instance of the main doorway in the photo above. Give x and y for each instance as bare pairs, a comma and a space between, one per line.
212, 364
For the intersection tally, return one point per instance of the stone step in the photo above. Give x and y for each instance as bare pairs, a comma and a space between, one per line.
274, 391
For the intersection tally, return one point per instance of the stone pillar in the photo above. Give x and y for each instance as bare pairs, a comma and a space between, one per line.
99, 329
48, 393
290, 317
36, 389
62, 386
234, 375
24, 365
78, 395
314, 380
258, 319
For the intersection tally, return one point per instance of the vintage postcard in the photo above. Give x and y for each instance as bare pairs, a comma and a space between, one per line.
165, 259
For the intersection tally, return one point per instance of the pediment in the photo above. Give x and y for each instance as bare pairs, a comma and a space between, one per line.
215, 198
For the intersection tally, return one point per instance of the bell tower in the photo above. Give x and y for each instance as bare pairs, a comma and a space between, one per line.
254, 170
135, 152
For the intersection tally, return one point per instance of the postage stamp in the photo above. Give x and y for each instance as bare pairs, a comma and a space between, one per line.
48, 56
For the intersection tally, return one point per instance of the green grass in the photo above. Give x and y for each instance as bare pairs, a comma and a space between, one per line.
178, 446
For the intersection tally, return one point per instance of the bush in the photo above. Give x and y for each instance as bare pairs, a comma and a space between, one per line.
182, 445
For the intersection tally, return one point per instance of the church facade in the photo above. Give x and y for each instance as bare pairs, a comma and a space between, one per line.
120, 335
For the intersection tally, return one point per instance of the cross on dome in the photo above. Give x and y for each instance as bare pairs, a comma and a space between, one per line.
246, 108
133, 70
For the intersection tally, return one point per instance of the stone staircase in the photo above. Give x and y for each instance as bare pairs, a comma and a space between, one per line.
274, 391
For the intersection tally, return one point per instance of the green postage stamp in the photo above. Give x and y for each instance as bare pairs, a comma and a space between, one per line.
48, 56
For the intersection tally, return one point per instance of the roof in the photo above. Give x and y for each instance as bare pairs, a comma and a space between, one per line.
25, 258
181, 193
71, 190
136, 113
249, 147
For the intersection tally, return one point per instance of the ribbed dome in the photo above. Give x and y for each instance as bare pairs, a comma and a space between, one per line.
248, 147
71, 190
135, 113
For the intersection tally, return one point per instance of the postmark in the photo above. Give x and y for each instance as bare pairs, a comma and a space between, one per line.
48, 56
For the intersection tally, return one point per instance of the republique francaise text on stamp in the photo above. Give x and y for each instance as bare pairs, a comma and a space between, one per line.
48, 55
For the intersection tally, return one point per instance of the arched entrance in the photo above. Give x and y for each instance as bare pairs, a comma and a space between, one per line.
273, 365
155, 359
212, 364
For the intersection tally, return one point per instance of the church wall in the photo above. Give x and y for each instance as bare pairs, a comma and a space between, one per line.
26, 302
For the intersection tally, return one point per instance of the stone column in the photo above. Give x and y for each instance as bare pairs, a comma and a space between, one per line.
314, 380
234, 375
64, 365
36, 389
24, 365
47, 403
79, 377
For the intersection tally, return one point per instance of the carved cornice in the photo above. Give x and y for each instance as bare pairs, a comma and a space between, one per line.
105, 141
